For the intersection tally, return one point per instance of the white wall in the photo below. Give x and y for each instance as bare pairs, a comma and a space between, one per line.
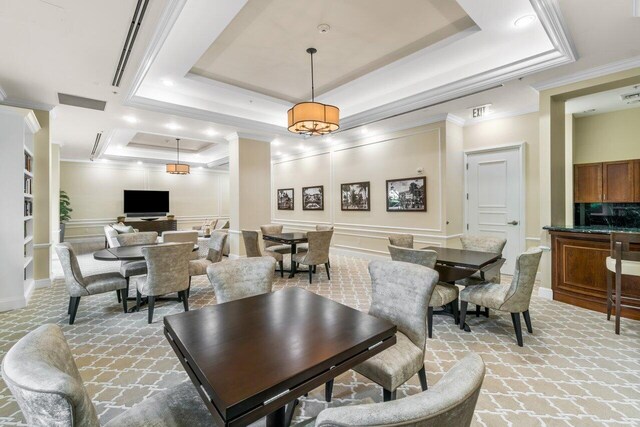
96, 193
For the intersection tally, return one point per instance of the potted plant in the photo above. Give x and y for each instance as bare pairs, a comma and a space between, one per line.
65, 211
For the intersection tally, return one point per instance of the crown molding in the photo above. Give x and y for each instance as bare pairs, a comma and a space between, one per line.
591, 73
31, 105
553, 22
503, 115
32, 122
455, 119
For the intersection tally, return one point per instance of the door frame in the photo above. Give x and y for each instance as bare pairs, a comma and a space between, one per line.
520, 146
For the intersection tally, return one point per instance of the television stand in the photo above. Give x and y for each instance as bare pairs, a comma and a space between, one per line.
158, 225
148, 219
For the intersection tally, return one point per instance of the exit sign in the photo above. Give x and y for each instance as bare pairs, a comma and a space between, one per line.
480, 111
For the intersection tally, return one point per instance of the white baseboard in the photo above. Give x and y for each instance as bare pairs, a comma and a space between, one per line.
12, 303
545, 293
234, 256
43, 283
29, 291
360, 253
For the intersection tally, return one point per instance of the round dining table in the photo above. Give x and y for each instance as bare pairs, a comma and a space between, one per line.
126, 253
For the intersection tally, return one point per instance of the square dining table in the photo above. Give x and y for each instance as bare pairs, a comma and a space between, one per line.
251, 357
291, 239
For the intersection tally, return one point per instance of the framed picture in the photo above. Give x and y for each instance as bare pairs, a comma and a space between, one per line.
313, 198
355, 196
285, 199
407, 195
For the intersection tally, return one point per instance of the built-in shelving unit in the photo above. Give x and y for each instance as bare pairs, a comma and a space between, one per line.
28, 214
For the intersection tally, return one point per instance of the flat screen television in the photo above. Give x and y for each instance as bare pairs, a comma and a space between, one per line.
139, 203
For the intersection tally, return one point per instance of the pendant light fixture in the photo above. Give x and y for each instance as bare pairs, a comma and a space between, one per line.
313, 118
178, 168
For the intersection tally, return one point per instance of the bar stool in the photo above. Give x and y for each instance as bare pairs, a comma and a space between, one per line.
622, 262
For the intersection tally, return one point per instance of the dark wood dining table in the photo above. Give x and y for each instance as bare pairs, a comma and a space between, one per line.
291, 239
254, 357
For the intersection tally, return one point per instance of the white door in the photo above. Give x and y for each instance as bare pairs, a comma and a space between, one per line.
495, 198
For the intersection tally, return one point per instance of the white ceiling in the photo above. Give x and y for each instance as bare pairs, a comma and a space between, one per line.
60, 46
603, 102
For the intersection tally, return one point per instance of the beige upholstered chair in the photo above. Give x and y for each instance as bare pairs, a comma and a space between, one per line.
319, 227
182, 237
44, 379
399, 294
201, 228
274, 246
451, 402
318, 252
402, 240
128, 269
241, 278
110, 237
443, 294
81, 286
252, 248
167, 272
199, 266
514, 298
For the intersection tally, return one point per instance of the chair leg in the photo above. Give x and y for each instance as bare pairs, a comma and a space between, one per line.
152, 303
138, 300
477, 310
430, 321
388, 395
328, 390
74, 309
124, 293
454, 309
618, 300
310, 274
70, 305
281, 268
486, 312
329, 263
185, 300
118, 295
314, 269
422, 374
463, 313
609, 295
515, 318
527, 321
326, 268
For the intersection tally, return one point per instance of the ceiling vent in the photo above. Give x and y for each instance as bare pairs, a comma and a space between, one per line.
630, 97
134, 27
95, 146
79, 101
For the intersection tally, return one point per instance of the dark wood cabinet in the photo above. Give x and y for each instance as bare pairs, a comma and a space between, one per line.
579, 274
587, 183
617, 181
636, 181
159, 225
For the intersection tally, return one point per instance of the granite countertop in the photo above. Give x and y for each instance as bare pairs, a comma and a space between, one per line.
592, 229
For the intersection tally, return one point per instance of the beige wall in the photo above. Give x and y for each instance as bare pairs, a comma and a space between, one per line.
376, 159
96, 193
510, 130
607, 137
42, 201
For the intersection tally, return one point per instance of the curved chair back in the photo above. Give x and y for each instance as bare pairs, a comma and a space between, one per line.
43, 377
251, 243
400, 293
451, 402
423, 257
402, 240
483, 243
182, 237
271, 229
225, 226
167, 268
216, 246
241, 278
519, 294
319, 245
143, 238
324, 227
72, 274
110, 234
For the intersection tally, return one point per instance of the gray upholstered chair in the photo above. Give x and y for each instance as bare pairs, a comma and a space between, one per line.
167, 272
252, 248
81, 286
241, 278
402, 240
274, 246
199, 266
110, 237
319, 227
400, 293
317, 253
182, 237
451, 402
128, 269
44, 379
514, 298
443, 294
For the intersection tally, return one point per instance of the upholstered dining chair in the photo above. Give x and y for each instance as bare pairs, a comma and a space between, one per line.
443, 293
44, 379
319, 227
182, 237
401, 240
252, 248
110, 237
317, 253
451, 402
400, 294
167, 272
201, 228
274, 246
80, 286
514, 298
128, 269
241, 278
199, 266
622, 262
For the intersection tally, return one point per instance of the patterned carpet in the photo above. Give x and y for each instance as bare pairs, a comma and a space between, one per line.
572, 371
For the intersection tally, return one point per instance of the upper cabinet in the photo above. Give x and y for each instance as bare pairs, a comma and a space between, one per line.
610, 182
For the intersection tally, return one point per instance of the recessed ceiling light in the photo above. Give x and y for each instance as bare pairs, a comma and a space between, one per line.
523, 21
302, 147
276, 143
211, 132
139, 162
167, 82
278, 153
130, 119
364, 131
172, 126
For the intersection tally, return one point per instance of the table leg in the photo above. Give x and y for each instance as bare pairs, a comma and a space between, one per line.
293, 264
277, 418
